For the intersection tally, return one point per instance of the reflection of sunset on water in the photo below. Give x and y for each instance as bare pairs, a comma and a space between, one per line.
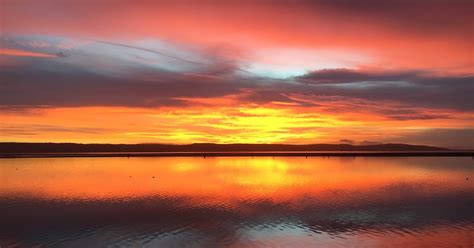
219, 179
238, 201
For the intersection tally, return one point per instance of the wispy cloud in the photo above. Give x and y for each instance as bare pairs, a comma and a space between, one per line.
22, 53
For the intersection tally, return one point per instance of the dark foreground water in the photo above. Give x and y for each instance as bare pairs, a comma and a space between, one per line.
237, 202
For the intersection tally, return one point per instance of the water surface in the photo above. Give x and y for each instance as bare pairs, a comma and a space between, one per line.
237, 202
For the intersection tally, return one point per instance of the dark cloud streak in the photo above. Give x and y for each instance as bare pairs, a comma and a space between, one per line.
412, 88
71, 86
74, 88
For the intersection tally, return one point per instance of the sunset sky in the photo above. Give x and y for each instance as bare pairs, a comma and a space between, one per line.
296, 72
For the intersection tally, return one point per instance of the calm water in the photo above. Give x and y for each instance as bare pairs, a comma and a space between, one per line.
237, 202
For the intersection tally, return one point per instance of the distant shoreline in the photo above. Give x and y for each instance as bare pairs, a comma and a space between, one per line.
245, 154
61, 150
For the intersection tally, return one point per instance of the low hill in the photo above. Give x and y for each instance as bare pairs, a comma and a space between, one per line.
13, 147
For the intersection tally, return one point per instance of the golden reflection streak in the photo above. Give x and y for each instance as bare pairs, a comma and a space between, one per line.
220, 179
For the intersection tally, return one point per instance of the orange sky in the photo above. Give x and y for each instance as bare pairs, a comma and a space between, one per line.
248, 72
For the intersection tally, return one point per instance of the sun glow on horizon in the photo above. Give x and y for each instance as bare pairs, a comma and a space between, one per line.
274, 123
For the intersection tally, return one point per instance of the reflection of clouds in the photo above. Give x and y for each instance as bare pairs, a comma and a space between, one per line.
280, 234
180, 220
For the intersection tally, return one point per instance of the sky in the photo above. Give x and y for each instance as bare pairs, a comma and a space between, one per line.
293, 72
